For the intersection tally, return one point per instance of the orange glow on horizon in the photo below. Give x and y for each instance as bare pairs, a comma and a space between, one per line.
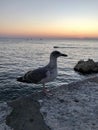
50, 34
55, 30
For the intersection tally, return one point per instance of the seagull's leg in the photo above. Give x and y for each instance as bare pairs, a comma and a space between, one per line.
44, 89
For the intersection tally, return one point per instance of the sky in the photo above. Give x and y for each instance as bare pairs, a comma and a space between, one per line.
49, 18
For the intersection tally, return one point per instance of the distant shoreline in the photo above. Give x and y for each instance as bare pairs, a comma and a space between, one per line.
46, 38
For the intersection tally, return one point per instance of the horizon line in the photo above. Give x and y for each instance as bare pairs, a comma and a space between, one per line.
41, 38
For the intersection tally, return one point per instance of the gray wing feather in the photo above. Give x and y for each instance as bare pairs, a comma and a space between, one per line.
35, 76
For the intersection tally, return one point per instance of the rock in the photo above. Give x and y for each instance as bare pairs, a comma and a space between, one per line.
79, 111
72, 106
56, 47
86, 67
26, 115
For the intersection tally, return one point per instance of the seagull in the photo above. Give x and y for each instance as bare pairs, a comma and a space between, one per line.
44, 74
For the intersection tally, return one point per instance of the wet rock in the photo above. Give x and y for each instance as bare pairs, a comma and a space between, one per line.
86, 67
26, 115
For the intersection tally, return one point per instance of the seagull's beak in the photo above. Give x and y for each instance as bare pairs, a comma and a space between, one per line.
64, 55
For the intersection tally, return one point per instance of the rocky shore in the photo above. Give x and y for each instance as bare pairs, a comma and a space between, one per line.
71, 107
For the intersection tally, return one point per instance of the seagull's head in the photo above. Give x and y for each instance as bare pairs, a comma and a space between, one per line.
57, 54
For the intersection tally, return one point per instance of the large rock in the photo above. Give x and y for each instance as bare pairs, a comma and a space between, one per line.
86, 67
26, 114
70, 107
73, 106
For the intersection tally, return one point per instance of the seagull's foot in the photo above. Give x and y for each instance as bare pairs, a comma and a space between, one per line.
47, 92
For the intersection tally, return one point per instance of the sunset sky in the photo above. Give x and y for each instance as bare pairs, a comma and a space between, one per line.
49, 18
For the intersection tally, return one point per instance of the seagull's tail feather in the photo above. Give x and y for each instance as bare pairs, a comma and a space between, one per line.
23, 79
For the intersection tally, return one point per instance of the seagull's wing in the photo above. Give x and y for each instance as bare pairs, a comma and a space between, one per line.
35, 76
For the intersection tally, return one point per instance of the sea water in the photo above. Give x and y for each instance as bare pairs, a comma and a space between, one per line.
17, 56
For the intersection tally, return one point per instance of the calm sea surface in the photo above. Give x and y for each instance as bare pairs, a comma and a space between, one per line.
18, 56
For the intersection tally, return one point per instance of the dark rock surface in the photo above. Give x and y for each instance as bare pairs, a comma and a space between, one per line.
86, 67
26, 115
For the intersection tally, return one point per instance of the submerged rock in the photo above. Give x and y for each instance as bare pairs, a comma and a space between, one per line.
86, 67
